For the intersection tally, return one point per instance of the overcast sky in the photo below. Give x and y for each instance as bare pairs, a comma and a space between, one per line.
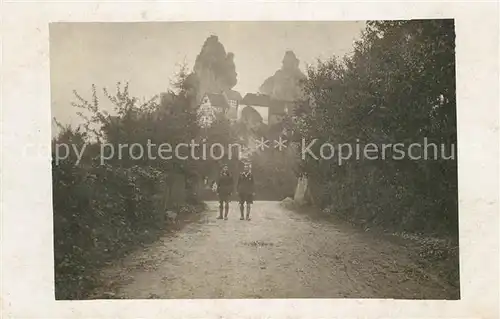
147, 55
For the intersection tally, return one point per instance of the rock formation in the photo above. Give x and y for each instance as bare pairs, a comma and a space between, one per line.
285, 83
214, 68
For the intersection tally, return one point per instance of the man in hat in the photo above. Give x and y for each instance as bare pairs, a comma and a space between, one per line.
224, 190
246, 191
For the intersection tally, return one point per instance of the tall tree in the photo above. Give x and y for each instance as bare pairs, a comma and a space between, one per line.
397, 87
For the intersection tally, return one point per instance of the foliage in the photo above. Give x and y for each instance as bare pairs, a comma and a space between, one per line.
275, 173
104, 209
397, 86
99, 212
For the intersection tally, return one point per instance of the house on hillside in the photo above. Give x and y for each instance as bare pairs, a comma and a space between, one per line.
209, 105
212, 104
234, 99
216, 101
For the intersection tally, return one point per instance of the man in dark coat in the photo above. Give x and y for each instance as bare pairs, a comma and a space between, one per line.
224, 190
246, 191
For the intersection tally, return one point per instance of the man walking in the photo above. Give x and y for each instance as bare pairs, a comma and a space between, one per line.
246, 191
224, 190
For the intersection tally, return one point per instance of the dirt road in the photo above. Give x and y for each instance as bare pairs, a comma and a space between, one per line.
278, 254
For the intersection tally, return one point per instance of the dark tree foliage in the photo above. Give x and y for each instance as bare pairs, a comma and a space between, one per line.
397, 87
104, 209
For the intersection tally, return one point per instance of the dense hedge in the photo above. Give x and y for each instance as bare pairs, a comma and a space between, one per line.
99, 212
398, 86
102, 211
275, 173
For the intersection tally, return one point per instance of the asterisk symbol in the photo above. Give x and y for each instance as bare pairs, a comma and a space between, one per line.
261, 143
280, 144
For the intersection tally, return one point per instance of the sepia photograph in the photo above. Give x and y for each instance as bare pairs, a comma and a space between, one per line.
247, 160
224, 159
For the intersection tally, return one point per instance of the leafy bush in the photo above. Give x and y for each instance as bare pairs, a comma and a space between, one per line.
275, 173
397, 87
102, 211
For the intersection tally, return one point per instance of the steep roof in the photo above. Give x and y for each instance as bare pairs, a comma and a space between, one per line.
218, 100
233, 95
256, 99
